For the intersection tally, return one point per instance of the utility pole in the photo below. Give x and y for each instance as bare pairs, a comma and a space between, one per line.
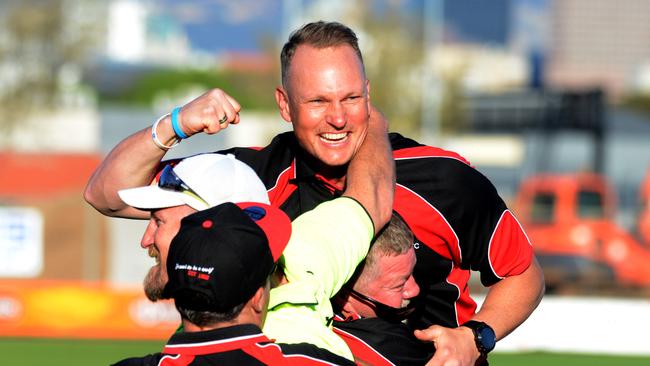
431, 94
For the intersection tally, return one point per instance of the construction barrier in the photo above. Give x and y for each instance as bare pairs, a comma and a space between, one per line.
66, 309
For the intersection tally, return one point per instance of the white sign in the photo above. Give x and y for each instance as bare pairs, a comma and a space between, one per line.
21, 242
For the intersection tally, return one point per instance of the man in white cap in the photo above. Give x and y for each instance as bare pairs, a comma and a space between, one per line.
181, 190
315, 263
220, 265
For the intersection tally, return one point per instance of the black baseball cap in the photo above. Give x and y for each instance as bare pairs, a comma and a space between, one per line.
222, 255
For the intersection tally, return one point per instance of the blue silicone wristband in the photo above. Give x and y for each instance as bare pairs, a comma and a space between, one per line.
176, 126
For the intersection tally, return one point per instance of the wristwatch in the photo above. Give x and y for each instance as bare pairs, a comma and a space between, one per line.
483, 336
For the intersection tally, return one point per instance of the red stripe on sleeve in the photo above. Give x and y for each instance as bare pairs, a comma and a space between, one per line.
427, 223
510, 250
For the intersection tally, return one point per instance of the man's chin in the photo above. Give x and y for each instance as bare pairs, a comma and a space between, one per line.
153, 286
335, 162
153, 294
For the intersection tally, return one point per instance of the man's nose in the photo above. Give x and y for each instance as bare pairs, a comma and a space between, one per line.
411, 288
148, 236
336, 115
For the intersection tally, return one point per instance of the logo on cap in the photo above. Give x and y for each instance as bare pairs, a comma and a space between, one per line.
195, 271
256, 213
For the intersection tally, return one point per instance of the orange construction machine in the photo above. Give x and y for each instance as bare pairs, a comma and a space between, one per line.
643, 222
570, 221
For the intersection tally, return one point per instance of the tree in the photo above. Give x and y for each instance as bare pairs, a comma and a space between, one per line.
43, 46
639, 102
393, 56
452, 111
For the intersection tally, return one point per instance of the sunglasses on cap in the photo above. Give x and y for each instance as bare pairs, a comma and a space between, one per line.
168, 180
382, 310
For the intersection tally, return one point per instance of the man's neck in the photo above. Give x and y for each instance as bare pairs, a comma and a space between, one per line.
191, 327
334, 175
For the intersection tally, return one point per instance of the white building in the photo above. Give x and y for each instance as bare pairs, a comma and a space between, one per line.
138, 32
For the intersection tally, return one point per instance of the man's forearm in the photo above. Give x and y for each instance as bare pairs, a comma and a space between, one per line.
507, 305
511, 301
371, 173
131, 163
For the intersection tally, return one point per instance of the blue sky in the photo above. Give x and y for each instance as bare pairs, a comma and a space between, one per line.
216, 25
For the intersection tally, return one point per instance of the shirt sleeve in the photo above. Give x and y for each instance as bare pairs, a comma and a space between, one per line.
457, 212
327, 244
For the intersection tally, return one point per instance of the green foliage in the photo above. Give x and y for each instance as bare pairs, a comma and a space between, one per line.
254, 91
41, 46
637, 102
393, 60
452, 113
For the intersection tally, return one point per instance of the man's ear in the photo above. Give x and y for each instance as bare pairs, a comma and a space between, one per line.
282, 99
259, 301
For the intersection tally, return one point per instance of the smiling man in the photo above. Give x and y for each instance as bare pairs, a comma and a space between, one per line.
459, 221
328, 121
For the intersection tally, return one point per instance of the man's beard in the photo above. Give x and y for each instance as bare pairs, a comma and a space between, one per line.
154, 284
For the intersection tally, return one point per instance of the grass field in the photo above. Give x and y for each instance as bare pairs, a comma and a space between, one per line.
54, 352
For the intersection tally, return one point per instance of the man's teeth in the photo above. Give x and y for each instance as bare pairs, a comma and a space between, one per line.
334, 136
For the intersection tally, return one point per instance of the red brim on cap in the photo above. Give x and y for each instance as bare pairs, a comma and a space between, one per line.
273, 221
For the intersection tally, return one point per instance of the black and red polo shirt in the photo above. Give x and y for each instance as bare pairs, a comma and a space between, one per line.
459, 221
379, 342
236, 345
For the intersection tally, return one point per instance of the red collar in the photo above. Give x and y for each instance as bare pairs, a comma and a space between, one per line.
215, 341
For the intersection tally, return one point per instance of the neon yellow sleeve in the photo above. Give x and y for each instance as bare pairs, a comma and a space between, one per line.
326, 246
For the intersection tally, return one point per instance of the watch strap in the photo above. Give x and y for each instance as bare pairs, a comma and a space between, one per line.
477, 327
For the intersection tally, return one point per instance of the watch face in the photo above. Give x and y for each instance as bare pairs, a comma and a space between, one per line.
487, 338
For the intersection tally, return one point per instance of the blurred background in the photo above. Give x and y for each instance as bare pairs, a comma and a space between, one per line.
550, 99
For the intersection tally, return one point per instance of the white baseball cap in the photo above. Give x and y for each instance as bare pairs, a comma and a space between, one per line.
200, 181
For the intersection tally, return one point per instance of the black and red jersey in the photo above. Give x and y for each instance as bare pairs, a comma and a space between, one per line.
379, 342
459, 221
236, 345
